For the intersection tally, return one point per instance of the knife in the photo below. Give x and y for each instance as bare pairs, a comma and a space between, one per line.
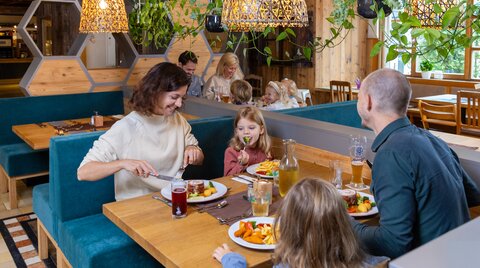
162, 177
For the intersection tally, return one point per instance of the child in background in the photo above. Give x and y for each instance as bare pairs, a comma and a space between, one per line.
241, 92
314, 231
292, 91
250, 143
276, 97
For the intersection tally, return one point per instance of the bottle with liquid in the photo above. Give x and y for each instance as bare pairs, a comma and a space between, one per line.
288, 169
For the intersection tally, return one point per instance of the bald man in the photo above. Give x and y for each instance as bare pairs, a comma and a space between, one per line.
420, 188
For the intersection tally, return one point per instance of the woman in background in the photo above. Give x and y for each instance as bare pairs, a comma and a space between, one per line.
228, 70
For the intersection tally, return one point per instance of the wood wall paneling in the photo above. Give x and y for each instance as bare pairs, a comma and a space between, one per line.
140, 69
106, 88
116, 75
59, 76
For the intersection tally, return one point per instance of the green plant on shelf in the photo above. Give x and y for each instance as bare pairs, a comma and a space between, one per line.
426, 66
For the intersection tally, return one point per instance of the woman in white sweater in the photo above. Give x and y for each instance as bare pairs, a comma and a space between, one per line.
228, 70
154, 138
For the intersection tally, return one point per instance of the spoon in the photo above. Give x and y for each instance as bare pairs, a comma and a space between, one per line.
219, 205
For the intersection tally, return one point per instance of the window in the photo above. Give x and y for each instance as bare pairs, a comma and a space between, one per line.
462, 64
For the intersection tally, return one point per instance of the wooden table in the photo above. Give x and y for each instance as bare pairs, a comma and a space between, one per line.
322, 94
187, 242
442, 99
38, 135
460, 140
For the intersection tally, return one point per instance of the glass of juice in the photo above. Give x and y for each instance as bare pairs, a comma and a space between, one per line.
179, 198
288, 168
262, 197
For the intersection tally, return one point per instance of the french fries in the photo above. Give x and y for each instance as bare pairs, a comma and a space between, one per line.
267, 167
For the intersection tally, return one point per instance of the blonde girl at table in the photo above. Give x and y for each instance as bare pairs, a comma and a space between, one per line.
153, 139
314, 231
250, 143
228, 70
276, 97
292, 90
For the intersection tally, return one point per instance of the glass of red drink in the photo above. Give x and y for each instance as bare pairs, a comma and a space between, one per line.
179, 198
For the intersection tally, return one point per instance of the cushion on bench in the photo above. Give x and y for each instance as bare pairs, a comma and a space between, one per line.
20, 159
42, 208
341, 113
94, 241
213, 135
72, 198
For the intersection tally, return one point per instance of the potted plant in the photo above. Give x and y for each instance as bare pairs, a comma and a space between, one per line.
426, 67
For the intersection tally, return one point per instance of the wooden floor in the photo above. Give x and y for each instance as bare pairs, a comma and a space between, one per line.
25, 206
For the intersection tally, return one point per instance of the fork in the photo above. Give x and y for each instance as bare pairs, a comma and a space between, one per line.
245, 214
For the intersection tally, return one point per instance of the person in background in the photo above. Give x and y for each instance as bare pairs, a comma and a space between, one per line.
276, 97
250, 143
420, 187
292, 92
188, 62
312, 232
240, 92
228, 70
154, 138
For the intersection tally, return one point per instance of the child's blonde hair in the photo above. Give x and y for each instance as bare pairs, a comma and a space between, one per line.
291, 88
281, 91
314, 228
241, 92
252, 114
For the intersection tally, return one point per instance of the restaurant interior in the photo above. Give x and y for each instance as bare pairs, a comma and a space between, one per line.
67, 75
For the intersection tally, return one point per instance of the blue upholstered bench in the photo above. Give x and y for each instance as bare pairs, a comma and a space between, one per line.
70, 211
17, 159
342, 113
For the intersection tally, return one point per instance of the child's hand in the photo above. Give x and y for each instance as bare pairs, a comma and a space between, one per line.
220, 251
243, 158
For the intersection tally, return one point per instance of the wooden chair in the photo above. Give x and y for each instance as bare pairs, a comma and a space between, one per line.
445, 115
340, 91
468, 112
257, 84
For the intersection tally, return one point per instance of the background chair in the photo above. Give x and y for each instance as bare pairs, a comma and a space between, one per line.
440, 115
257, 84
340, 91
304, 94
468, 112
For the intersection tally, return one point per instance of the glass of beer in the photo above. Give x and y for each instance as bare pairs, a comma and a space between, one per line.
357, 156
226, 98
179, 198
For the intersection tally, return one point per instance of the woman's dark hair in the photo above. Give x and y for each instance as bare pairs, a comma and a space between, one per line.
163, 77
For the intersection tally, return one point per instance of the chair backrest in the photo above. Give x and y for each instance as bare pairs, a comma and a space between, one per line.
437, 114
340, 91
256, 82
470, 101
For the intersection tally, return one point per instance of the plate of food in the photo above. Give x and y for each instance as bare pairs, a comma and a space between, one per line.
359, 204
254, 233
199, 191
265, 169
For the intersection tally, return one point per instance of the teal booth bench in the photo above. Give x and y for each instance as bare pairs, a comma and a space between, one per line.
341, 113
17, 159
70, 211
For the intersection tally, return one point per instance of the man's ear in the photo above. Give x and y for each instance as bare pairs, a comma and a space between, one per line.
369, 102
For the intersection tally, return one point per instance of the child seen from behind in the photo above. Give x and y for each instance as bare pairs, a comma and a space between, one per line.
240, 92
250, 143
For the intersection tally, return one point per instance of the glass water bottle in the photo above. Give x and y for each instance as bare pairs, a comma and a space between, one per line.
288, 169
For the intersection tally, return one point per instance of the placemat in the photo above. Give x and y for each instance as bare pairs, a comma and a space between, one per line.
238, 205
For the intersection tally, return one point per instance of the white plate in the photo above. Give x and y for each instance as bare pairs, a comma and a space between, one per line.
221, 191
372, 211
234, 227
253, 170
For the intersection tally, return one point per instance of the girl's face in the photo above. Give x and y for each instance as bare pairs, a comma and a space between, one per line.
270, 96
229, 71
247, 128
168, 102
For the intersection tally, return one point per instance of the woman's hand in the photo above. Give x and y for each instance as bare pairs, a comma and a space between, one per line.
243, 158
138, 167
193, 155
220, 251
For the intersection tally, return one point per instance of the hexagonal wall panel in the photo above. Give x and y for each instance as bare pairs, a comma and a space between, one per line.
196, 44
141, 67
212, 67
57, 28
59, 76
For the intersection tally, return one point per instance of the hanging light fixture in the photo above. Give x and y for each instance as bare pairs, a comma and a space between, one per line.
246, 15
103, 16
424, 11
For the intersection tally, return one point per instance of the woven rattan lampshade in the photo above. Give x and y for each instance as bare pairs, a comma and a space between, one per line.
424, 11
103, 16
246, 15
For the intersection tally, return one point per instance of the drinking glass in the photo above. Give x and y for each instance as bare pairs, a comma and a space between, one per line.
336, 173
262, 198
179, 198
357, 157
225, 98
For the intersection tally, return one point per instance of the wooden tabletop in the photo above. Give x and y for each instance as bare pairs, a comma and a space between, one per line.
471, 143
187, 242
38, 135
